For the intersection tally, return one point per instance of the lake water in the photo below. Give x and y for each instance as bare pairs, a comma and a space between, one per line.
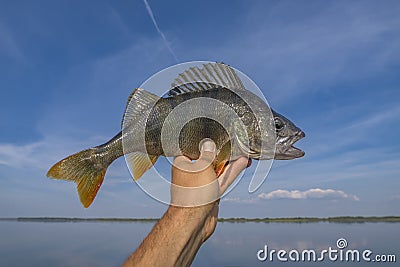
233, 244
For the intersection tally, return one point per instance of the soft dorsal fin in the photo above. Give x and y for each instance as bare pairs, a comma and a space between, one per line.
210, 76
142, 100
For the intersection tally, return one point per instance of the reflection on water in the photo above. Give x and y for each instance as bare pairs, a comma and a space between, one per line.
238, 244
233, 244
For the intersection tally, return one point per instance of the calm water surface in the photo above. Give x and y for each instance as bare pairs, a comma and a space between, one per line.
233, 244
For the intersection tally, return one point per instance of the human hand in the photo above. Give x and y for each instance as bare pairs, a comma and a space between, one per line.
195, 184
193, 214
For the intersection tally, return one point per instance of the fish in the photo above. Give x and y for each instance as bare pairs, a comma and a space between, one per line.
239, 122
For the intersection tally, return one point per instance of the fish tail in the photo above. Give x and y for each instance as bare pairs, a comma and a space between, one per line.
86, 169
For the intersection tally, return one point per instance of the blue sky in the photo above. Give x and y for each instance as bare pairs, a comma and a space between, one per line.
67, 68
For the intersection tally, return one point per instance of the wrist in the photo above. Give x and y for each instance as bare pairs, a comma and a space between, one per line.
191, 213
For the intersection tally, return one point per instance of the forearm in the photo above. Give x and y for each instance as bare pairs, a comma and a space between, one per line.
175, 239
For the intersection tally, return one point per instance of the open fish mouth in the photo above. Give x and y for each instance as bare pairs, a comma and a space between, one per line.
289, 151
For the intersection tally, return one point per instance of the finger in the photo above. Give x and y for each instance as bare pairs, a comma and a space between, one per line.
233, 169
179, 160
182, 163
207, 156
207, 150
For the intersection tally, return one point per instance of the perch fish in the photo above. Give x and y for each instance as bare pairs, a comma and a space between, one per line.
262, 133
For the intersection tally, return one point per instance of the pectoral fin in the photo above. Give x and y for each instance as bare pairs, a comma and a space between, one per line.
222, 159
220, 167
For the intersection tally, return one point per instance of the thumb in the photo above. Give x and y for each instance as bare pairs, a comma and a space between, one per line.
207, 151
206, 158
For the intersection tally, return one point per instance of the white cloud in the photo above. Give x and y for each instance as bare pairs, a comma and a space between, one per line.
396, 197
374, 119
8, 45
41, 154
290, 52
311, 193
18, 155
239, 200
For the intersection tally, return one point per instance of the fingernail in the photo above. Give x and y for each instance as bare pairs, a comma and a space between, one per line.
208, 146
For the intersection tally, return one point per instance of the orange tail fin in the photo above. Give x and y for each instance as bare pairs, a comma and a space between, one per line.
85, 169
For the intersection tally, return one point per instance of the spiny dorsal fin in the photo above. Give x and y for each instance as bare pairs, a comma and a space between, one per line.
210, 76
143, 100
192, 87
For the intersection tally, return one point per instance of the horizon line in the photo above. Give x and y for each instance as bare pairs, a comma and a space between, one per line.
337, 219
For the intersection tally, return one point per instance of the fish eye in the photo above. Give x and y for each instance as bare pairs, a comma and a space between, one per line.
278, 124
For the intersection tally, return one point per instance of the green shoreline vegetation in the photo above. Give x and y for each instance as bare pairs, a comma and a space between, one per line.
341, 219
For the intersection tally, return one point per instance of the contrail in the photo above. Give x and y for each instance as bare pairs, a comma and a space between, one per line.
159, 31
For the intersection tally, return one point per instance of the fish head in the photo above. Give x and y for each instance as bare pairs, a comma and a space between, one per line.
270, 134
287, 133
